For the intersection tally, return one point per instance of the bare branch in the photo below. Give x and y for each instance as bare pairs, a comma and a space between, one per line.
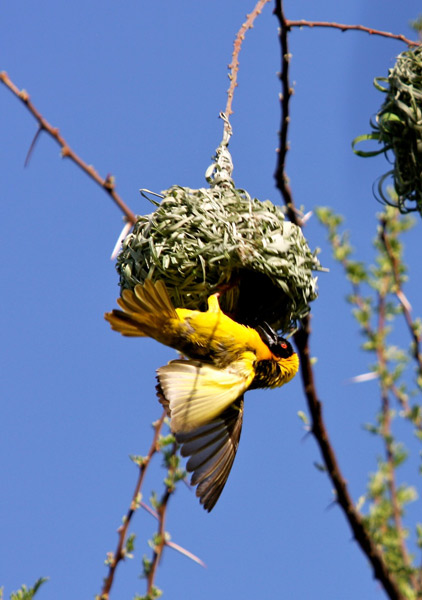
343, 497
343, 27
234, 65
282, 181
43, 125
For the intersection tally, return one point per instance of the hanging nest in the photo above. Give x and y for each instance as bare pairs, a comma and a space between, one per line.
398, 128
220, 239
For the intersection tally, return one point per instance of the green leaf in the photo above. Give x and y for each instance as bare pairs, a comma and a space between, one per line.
138, 460
419, 534
27, 594
364, 138
303, 417
130, 545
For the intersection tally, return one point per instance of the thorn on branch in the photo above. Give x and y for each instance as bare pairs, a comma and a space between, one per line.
66, 151
110, 182
24, 96
32, 146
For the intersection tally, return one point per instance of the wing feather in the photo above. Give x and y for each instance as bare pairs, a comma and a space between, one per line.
198, 392
212, 449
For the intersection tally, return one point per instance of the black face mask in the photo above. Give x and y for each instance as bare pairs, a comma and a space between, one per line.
278, 345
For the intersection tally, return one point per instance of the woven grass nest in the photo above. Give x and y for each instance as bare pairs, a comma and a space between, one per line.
398, 128
199, 241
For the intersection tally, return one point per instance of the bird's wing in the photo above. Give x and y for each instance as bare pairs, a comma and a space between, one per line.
199, 392
212, 449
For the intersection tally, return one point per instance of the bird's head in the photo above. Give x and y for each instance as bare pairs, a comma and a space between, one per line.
278, 345
281, 349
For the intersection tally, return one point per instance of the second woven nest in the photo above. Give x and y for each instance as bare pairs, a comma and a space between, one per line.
398, 128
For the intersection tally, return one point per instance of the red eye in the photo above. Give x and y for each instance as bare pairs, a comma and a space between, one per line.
283, 345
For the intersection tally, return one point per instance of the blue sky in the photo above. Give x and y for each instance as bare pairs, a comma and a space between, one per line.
136, 89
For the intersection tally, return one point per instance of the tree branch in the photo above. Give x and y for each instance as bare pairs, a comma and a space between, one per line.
386, 426
343, 27
301, 338
160, 540
282, 181
234, 65
134, 505
384, 238
43, 125
320, 433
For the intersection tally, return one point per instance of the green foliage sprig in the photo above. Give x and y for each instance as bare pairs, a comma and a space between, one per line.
165, 445
25, 593
161, 538
376, 312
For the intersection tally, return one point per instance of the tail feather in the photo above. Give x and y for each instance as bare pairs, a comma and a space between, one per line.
124, 324
146, 310
128, 301
154, 298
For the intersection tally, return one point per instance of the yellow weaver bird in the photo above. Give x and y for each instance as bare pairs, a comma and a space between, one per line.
203, 394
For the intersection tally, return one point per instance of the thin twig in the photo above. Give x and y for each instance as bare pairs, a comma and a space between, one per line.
386, 426
301, 338
417, 354
304, 23
234, 65
402, 399
43, 125
171, 544
161, 532
122, 531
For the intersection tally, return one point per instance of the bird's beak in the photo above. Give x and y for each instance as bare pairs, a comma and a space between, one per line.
267, 333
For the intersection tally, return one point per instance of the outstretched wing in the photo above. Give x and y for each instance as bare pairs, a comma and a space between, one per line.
199, 392
212, 449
